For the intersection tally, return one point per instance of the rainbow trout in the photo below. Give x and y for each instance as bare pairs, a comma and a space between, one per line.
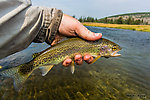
54, 55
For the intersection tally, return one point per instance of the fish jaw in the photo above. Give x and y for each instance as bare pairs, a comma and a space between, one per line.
115, 54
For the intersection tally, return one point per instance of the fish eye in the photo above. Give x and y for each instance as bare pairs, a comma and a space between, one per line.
114, 48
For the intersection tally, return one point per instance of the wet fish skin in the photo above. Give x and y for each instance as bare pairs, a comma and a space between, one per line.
54, 55
69, 48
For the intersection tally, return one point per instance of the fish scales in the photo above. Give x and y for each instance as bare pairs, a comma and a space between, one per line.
60, 52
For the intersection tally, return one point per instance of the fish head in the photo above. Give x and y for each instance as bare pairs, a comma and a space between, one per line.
109, 49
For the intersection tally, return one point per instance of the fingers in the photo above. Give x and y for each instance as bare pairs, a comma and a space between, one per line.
83, 32
67, 62
78, 60
70, 26
88, 58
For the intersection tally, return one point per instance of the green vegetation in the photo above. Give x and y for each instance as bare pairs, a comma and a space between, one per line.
142, 18
147, 14
88, 19
120, 20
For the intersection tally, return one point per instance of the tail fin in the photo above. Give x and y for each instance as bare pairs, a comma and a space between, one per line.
13, 73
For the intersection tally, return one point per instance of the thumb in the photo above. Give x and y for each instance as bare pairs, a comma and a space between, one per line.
83, 32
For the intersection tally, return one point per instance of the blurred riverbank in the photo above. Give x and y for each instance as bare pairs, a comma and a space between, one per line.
144, 28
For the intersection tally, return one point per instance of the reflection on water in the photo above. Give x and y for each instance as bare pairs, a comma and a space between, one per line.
125, 77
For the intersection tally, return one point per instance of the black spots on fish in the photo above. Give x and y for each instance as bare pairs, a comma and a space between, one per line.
45, 59
103, 48
54, 55
49, 59
25, 69
35, 63
40, 63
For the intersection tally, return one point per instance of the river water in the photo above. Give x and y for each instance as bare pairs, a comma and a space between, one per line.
124, 77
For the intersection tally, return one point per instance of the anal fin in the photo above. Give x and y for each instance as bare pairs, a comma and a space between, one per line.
45, 69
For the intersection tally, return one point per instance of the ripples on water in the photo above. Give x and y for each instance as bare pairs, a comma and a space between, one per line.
125, 77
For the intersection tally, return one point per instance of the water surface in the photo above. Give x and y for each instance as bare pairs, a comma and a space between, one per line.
124, 77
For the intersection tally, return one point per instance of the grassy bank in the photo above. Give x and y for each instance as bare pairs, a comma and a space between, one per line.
144, 28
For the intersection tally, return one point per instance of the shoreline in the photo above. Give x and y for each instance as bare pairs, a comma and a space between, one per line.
143, 28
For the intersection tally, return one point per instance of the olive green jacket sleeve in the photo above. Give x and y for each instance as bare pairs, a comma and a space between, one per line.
21, 24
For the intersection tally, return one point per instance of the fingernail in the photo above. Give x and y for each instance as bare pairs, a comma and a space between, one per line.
97, 34
89, 59
67, 64
78, 59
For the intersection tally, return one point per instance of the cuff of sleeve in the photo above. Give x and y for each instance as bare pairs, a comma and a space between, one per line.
52, 19
54, 26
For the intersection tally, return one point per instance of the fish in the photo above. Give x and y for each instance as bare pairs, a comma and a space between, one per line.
56, 54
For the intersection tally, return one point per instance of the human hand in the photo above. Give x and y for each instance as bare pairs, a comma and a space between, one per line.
72, 27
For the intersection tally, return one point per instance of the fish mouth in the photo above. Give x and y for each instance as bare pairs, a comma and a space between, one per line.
115, 54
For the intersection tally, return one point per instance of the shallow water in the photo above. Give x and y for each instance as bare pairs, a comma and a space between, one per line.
124, 77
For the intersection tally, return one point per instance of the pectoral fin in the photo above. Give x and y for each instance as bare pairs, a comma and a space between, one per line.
95, 59
72, 67
45, 69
